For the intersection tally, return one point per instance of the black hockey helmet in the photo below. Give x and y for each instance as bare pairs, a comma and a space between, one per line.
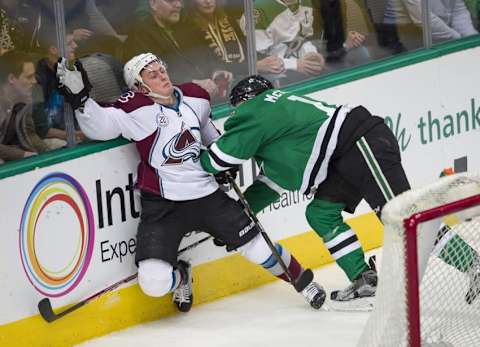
248, 88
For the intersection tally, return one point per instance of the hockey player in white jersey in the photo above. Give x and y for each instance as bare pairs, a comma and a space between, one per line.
177, 195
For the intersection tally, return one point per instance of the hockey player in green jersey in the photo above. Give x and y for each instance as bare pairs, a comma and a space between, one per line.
339, 154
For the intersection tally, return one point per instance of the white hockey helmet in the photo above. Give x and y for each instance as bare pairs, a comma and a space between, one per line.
133, 68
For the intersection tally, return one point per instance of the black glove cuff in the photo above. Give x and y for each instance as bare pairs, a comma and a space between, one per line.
222, 178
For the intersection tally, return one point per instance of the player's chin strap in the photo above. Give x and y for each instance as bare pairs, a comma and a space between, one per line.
151, 93
155, 95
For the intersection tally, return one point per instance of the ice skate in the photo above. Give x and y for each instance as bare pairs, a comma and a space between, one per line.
314, 294
183, 296
358, 296
364, 286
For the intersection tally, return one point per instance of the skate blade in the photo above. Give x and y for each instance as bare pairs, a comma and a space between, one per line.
365, 304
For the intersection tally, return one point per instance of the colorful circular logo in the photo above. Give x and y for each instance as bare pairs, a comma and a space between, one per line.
56, 236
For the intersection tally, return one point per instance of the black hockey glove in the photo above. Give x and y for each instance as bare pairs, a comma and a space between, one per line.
73, 84
221, 177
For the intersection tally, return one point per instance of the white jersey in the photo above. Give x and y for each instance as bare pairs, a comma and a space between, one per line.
168, 139
283, 33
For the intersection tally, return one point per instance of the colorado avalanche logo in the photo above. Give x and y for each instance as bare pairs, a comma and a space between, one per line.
180, 148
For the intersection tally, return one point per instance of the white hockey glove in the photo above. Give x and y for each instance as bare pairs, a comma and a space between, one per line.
73, 84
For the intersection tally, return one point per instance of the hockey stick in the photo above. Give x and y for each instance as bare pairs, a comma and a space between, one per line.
307, 275
45, 306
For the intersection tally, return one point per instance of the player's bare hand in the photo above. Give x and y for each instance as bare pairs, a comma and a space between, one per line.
311, 64
271, 64
354, 40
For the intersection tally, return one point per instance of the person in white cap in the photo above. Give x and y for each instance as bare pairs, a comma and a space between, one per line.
177, 195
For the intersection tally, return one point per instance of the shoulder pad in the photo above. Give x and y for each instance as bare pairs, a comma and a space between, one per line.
194, 90
130, 101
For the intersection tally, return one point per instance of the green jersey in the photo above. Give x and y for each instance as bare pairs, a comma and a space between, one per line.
291, 137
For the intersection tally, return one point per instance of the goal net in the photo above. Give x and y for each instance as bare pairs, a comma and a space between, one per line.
430, 272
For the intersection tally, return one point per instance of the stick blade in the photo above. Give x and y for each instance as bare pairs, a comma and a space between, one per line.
46, 311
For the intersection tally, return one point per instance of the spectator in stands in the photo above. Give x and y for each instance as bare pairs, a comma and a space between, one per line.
284, 30
341, 50
46, 66
333, 17
20, 23
18, 138
30, 25
215, 38
119, 13
159, 33
90, 29
474, 8
53, 105
450, 19
386, 33
217, 41
7, 28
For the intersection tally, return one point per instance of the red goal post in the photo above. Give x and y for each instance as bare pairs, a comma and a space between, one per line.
423, 279
413, 282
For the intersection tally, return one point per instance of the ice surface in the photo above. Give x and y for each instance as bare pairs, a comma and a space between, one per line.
272, 315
